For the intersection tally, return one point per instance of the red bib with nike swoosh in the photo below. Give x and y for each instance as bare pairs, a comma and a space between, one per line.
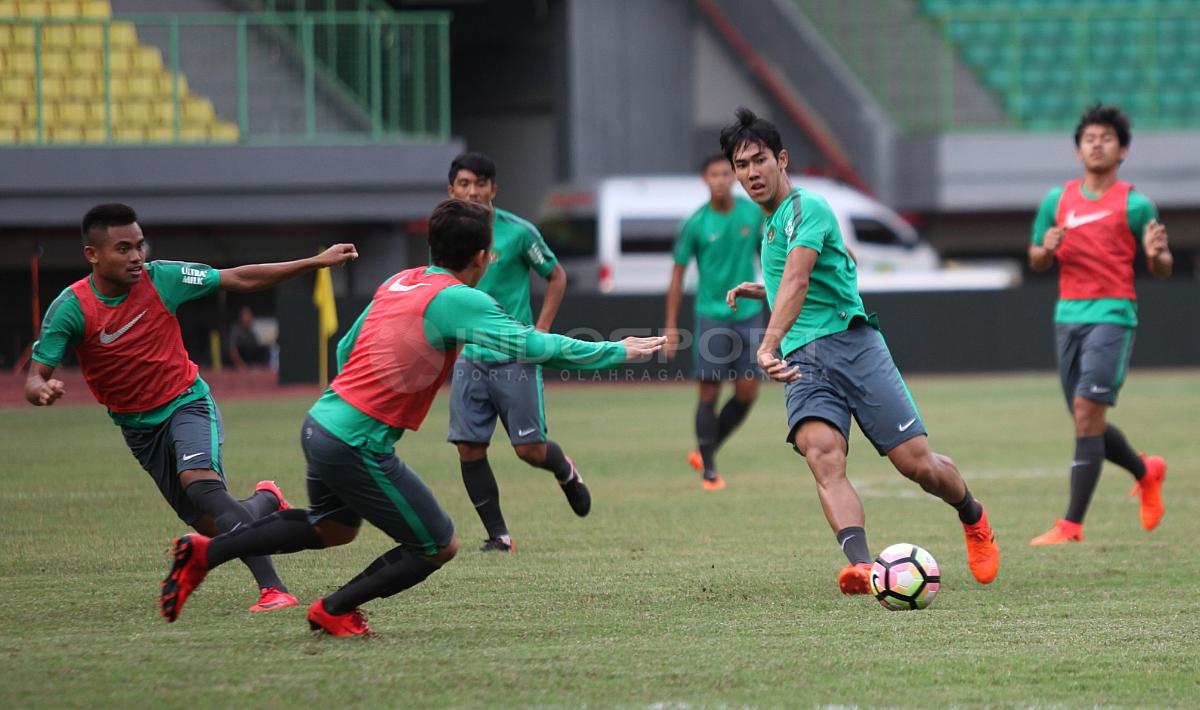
1095, 258
132, 354
393, 373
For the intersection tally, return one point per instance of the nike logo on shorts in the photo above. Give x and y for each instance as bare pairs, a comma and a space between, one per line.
1097, 389
107, 338
906, 425
526, 432
1078, 220
189, 457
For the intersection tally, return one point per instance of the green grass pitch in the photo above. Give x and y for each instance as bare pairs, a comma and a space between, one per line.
666, 596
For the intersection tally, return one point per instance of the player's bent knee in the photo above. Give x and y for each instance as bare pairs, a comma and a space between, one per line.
532, 454
447, 553
333, 533
468, 451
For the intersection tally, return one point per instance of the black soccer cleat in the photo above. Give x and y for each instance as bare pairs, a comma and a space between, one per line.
495, 544
576, 491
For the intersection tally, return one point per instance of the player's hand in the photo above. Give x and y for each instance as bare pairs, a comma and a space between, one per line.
776, 368
637, 349
672, 345
337, 255
1154, 238
1053, 237
745, 289
47, 393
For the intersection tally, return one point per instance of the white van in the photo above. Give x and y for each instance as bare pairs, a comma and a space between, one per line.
616, 236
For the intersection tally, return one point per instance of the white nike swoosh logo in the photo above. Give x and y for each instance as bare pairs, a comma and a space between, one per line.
906, 425
403, 288
523, 432
1099, 390
1074, 220
189, 457
848, 539
107, 338
1078, 463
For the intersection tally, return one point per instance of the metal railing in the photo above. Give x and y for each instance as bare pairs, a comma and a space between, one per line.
1008, 67
269, 77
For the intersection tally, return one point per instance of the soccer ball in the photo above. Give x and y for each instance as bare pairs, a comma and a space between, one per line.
904, 577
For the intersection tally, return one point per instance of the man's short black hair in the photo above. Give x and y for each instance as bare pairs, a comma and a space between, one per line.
477, 163
749, 129
458, 230
101, 217
1101, 115
713, 158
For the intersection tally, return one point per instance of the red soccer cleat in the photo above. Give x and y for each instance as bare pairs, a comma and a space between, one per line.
352, 623
188, 570
1149, 489
695, 461
712, 484
272, 598
855, 579
1064, 531
270, 487
983, 556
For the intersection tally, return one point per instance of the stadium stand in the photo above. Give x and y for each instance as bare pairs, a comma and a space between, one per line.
65, 83
1045, 59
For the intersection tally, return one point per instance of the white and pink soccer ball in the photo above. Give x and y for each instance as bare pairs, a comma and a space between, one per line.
905, 576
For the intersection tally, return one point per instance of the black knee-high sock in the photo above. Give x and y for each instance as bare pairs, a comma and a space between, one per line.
969, 509
1118, 450
732, 414
707, 429
279, 533
1085, 473
212, 499
390, 573
556, 462
854, 544
481, 486
261, 504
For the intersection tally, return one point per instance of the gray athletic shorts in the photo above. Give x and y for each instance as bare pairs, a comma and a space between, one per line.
1092, 360
190, 439
483, 391
728, 350
852, 374
347, 484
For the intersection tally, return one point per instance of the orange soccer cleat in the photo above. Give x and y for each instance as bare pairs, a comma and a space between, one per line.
855, 579
1149, 489
715, 483
983, 556
352, 623
272, 598
188, 569
1064, 531
270, 487
696, 461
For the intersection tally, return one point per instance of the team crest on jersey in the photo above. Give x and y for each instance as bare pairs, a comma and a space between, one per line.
770, 235
494, 257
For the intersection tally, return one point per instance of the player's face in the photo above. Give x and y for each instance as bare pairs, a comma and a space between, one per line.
119, 256
1099, 148
472, 188
718, 176
761, 172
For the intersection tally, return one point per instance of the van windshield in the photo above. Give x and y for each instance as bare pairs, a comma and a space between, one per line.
569, 237
648, 235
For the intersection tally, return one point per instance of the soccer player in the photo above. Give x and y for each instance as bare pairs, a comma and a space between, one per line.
121, 322
722, 236
1089, 226
391, 364
821, 342
489, 383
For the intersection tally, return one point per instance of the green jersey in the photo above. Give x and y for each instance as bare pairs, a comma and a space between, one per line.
1117, 311
517, 247
455, 315
62, 327
804, 219
724, 245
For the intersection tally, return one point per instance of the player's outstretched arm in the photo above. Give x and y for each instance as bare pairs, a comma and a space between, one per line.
41, 389
746, 289
256, 277
1158, 256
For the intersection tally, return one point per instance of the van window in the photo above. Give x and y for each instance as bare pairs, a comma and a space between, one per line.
648, 235
570, 236
869, 231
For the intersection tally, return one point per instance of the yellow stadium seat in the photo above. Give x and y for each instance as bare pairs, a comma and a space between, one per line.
8, 10
84, 87
147, 59
94, 134
8, 135
55, 62
20, 62
118, 61
27, 135
96, 111
198, 110
16, 88
118, 87
224, 132
53, 87
96, 8
73, 113
91, 36
122, 34
166, 82
164, 111
22, 35
64, 10
29, 10
65, 134
86, 61
129, 134
143, 87
30, 112
5, 35
11, 114
193, 134
161, 134
134, 112
57, 36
